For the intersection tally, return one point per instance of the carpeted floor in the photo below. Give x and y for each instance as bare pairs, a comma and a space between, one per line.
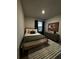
51, 50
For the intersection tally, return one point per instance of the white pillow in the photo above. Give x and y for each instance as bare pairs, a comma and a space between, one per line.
28, 30
36, 30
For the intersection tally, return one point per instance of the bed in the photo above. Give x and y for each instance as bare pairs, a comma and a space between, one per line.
39, 47
33, 39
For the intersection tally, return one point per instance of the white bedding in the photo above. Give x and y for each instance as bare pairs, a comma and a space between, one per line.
27, 34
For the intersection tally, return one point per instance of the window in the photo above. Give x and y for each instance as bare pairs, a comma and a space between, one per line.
40, 26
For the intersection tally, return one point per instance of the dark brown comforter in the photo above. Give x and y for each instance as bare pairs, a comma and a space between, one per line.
32, 38
33, 41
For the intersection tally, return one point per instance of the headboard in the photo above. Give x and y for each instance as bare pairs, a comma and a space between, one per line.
29, 30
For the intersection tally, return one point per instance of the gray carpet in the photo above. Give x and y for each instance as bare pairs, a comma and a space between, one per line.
51, 50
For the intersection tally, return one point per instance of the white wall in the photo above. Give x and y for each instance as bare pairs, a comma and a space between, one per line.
29, 22
52, 20
20, 25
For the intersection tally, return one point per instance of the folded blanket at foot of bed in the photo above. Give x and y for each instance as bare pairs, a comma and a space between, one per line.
33, 44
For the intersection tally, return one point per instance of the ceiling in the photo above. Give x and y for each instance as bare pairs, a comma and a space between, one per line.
33, 8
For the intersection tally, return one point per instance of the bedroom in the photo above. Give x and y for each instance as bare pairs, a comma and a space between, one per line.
42, 17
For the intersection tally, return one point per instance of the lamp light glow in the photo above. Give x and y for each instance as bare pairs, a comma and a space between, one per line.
43, 11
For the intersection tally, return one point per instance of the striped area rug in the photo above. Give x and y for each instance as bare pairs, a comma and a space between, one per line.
51, 51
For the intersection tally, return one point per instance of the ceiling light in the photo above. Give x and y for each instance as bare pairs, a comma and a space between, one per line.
43, 11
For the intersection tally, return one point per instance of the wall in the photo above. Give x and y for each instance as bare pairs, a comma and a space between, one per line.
52, 20
29, 22
20, 25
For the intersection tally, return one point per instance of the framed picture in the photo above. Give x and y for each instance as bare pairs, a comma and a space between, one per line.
53, 26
